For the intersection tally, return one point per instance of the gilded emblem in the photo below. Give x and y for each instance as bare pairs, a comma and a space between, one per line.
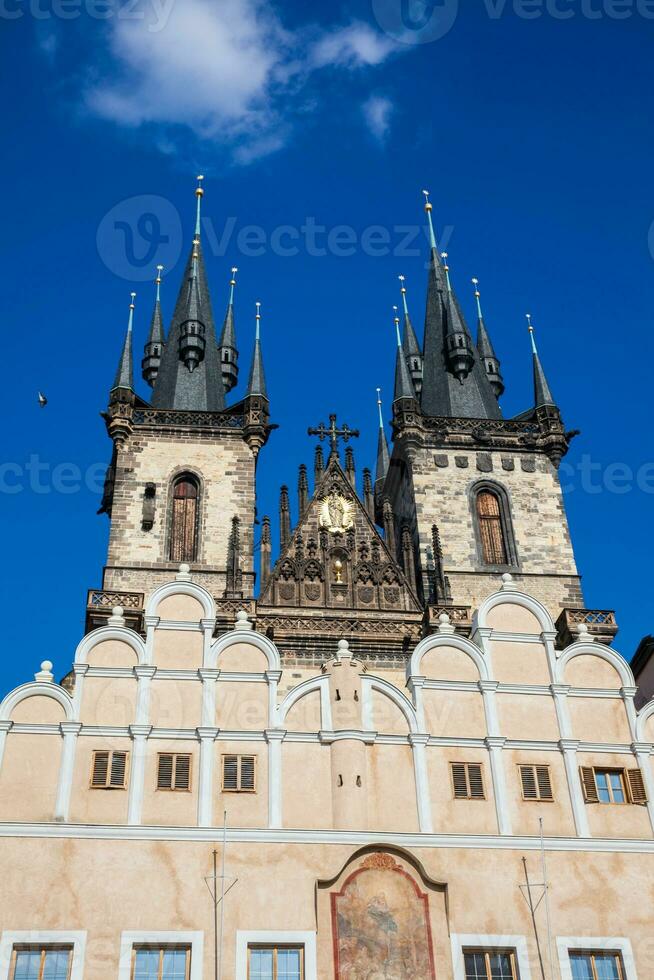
336, 513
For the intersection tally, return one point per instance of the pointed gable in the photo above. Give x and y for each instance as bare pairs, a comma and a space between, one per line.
336, 558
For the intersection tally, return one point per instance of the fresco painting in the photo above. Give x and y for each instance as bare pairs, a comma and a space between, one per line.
380, 922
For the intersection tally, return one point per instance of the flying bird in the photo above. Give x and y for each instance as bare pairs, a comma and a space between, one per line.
43, 401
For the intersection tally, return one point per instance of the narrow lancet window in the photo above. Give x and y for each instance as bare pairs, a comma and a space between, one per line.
184, 528
491, 531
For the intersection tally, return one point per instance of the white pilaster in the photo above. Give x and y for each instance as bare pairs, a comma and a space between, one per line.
560, 693
4, 729
80, 671
642, 751
495, 746
273, 678
151, 623
569, 748
274, 738
418, 743
139, 735
207, 737
208, 676
144, 675
207, 626
628, 695
416, 686
489, 692
70, 730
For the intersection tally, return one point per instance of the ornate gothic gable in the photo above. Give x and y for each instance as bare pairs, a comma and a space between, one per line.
336, 559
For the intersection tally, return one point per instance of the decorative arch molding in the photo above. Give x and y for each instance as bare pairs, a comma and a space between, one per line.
32, 690
509, 597
370, 683
642, 718
254, 639
182, 588
397, 852
453, 641
320, 684
120, 633
594, 649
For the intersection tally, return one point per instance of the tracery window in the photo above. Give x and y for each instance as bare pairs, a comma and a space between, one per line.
184, 526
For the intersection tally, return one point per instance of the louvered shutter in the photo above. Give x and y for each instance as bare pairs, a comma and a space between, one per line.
230, 772
182, 772
118, 767
587, 774
544, 782
459, 781
247, 772
100, 770
476, 782
529, 785
637, 791
165, 772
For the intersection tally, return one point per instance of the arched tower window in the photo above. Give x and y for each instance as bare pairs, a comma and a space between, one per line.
184, 525
491, 532
493, 526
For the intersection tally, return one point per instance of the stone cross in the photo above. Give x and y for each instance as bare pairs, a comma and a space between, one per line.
333, 433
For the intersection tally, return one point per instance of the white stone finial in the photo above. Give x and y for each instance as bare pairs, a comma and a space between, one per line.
508, 585
184, 573
445, 624
44, 675
583, 633
242, 621
117, 618
343, 646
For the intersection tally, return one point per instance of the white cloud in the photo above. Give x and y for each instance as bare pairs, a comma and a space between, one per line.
226, 70
377, 112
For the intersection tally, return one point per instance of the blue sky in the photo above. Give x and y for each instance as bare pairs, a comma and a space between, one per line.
533, 133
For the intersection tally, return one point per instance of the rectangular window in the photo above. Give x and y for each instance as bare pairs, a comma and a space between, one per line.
490, 964
596, 966
536, 783
275, 963
174, 772
41, 963
467, 781
109, 770
161, 963
239, 773
617, 786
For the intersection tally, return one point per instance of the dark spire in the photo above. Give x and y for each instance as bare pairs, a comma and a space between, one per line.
318, 467
265, 551
284, 518
303, 490
228, 349
176, 386
412, 352
192, 341
156, 338
542, 393
442, 394
485, 348
350, 469
458, 342
368, 496
257, 382
383, 455
125, 373
403, 383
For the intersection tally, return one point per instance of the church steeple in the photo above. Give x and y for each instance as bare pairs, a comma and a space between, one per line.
403, 383
190, 375
410, 345
485, 348
156, 338
228, 349
542, 392
257, 381
124, 379
455, 383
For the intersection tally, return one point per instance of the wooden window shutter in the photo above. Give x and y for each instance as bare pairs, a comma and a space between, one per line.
529, 784
636, 783
230, 772
476, 781
491, 531
118, 768
100, 770
183, 537
247, 772
587, 774
544, 783
459, 781
183, 772
165, 772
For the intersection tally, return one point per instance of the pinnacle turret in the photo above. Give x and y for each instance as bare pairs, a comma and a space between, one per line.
383, 455
125, 374
227, 346
542, 392
156, 338
485, 349
257, 380
410, 345
403, 383
192, 341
